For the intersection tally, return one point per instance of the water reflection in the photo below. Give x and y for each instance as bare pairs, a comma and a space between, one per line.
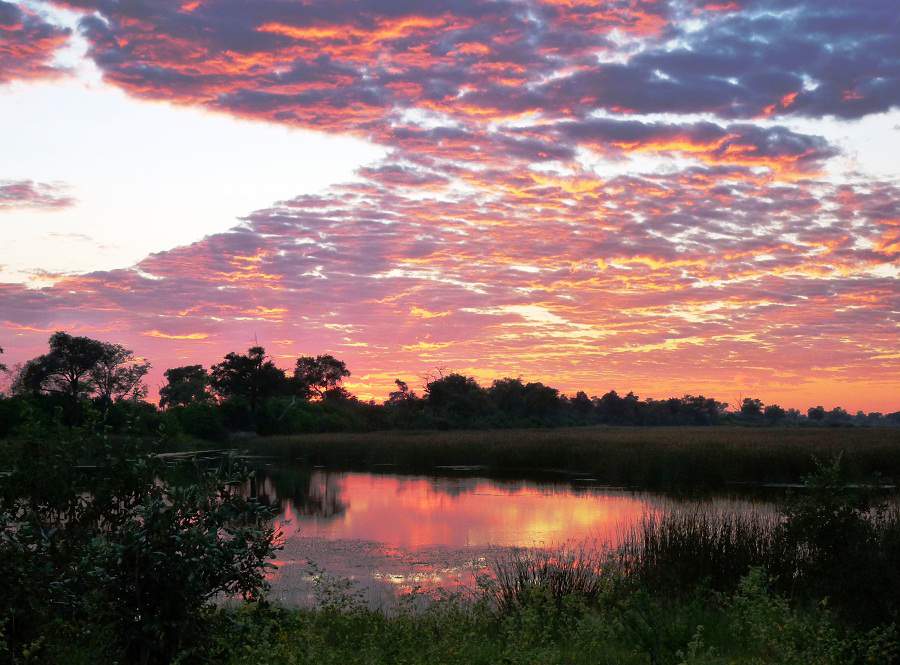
392, 533
301, 491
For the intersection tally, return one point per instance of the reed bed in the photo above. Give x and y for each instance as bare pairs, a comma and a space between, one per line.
851, 558
685, 547
636, 456
560, 574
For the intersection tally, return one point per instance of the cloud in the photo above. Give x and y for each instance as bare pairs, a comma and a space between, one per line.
22, 194
774, 148
353, 65
176, 336
29, 44
705, 272
497, 237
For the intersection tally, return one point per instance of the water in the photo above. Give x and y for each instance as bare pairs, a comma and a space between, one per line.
390, 534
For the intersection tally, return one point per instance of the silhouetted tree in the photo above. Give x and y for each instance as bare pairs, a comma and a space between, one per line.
617, 410
314, 376
816, 413
402, 395
751, 409
773, 414
117, 374
582, 406
403, 405
542, 401
457, 398
838, 417
508, 396
186, 385
66, 369
705, 410
253, 377
2, 366
338, 394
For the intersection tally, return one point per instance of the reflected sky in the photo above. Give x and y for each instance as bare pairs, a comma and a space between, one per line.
416, 511
392, 534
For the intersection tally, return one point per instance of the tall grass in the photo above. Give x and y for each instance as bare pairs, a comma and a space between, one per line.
673, 553
682, 548
647, 457
560, 574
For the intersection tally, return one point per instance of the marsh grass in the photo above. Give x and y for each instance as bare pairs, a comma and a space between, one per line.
560, 574
638, 456
672, 551
686, 547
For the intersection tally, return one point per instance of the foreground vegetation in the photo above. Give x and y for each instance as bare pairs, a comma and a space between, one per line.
686, 589
111, 552
622, 627
639, 457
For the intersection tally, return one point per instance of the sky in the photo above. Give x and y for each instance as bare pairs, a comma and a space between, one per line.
658, 196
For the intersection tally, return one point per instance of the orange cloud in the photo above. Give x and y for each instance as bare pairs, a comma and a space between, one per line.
183, 336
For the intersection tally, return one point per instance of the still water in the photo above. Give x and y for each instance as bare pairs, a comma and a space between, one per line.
392, 534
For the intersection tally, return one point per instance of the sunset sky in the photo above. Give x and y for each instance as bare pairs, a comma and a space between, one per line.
664, 196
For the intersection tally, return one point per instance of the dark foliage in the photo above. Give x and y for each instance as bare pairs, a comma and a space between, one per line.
102, 532
185, 386
834, 541
252, 377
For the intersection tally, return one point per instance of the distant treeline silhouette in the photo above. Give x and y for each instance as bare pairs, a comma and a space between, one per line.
249, 393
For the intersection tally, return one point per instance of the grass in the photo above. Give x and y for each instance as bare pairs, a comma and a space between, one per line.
623, 626
560, 574
682, 548
620, 626
646, 457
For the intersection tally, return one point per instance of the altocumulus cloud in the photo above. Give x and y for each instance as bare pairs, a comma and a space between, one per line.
729, 257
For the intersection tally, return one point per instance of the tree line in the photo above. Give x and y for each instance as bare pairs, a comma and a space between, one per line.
249, 392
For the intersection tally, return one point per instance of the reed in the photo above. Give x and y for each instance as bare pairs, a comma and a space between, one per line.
639, 456
559, 574
682, 548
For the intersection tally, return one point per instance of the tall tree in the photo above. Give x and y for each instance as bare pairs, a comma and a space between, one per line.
315, 376
751, 409
118, 374
186, 385
456, 397
66, 369
402, 395
2, 366
252, 376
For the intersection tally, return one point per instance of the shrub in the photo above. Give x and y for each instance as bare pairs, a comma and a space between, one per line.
93, 532
200, 420
847, 545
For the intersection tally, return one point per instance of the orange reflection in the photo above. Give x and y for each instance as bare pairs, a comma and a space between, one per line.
415, 512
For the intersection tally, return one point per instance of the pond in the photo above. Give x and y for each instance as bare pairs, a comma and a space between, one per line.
391, 534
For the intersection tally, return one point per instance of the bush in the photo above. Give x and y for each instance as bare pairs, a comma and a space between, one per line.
286, 415
94, 532
237, 415
764, 622
847, 545
10, 415
203, 421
